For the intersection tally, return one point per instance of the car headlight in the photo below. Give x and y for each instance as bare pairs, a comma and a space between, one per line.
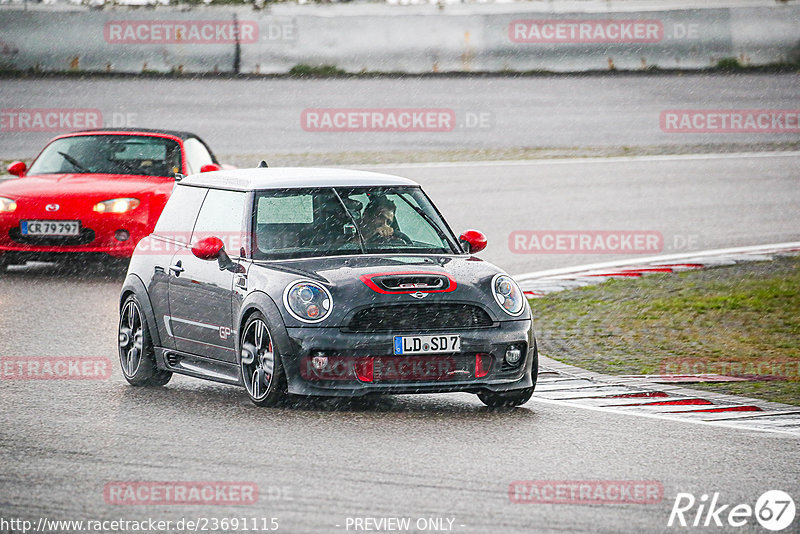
116, 205
308, 301
508, 294
7, 205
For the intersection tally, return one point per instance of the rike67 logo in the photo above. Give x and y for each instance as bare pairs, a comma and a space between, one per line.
774, 510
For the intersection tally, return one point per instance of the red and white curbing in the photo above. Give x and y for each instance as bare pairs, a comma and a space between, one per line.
573, 387
538, 284
654, 396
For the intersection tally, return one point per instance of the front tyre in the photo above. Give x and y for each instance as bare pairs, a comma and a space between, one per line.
262, 371
136, 353
509, 399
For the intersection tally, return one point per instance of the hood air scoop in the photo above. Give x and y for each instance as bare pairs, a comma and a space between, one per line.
410, 282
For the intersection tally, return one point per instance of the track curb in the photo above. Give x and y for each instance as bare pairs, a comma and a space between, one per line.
565, 384
540, 283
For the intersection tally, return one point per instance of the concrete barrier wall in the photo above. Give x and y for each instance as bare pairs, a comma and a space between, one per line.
396, 41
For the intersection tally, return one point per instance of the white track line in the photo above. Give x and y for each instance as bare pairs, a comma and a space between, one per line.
580, 160
674, 258
661, 417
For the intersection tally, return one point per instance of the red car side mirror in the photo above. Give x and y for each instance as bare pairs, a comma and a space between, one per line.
17, 168
474, 240
209, 248
211, 167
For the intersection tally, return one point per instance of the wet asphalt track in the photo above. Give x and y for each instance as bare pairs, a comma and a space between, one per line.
446, 456
257, 116
317, 463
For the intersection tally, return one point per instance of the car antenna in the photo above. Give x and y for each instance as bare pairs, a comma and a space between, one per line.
263, 165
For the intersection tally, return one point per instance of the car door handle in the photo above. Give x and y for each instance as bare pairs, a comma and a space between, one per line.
177, 268
240, 281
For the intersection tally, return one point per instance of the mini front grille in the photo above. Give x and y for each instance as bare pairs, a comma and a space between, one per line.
416, 317
85, 237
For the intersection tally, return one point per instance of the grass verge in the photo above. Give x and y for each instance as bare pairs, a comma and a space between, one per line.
742, 320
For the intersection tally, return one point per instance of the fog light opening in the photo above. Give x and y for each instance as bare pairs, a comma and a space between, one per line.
122, 235
483, 363
364, 368
513, 355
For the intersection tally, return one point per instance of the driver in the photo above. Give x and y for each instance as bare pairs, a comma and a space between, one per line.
377, 219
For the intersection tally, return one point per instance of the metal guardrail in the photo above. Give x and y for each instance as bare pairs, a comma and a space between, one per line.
387, 39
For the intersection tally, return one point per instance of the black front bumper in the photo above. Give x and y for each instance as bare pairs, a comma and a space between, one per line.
305, 343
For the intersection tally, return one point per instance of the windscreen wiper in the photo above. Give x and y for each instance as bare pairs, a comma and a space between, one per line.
427, 219
72, 161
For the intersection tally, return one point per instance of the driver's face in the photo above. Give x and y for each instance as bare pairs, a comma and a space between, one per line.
385, 217
379, 224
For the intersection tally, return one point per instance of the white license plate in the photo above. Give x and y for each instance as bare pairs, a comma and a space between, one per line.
50, 228
426, 344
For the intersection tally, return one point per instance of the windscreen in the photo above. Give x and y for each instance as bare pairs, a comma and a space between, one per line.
110, 154
300, 223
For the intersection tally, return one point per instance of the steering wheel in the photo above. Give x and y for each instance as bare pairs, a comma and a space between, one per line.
395, 239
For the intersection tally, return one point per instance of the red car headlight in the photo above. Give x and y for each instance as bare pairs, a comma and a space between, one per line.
116, 205
7, 205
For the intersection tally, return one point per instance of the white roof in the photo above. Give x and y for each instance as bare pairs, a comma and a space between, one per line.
292, 177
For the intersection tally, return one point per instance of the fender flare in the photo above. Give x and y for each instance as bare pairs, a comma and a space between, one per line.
133, 284
262, 302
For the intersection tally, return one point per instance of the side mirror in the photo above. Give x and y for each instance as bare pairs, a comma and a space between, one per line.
473, 240
211, 167
17, 168
212, 248
209, 248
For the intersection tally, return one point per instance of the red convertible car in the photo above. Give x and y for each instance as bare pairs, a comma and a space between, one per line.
94, 193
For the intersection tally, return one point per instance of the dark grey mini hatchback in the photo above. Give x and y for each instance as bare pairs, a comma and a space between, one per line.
300, 281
